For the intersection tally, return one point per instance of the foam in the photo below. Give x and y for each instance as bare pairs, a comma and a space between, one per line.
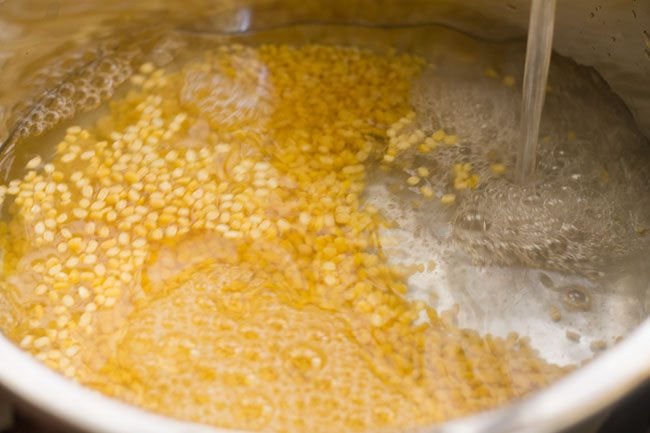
80, 80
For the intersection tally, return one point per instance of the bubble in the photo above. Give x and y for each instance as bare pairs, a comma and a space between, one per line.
256, 411
78, 81
577, 297
305, 359
472, 220
224, 98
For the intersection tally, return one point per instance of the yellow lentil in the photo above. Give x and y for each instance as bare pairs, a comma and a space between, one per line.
451, 139
598, 345
573, 336
426, 191
491, 72
555, 313
439, 135
413, 180
497, 169
448, 198
509, 80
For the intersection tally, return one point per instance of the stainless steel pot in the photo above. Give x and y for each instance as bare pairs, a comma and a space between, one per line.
614, 38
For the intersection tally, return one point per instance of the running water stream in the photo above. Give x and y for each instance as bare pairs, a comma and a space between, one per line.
538, 60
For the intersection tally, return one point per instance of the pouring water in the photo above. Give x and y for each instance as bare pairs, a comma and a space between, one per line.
538, 61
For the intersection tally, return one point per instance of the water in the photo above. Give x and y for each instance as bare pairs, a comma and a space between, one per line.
532, 226
560, 256
222, 193
538, 61
578, 223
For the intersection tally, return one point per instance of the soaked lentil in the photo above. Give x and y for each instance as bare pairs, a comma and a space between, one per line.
203, 251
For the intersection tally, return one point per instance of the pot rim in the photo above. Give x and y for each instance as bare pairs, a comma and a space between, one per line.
576, 397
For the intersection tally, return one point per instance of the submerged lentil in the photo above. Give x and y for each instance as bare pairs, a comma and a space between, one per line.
203, 251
